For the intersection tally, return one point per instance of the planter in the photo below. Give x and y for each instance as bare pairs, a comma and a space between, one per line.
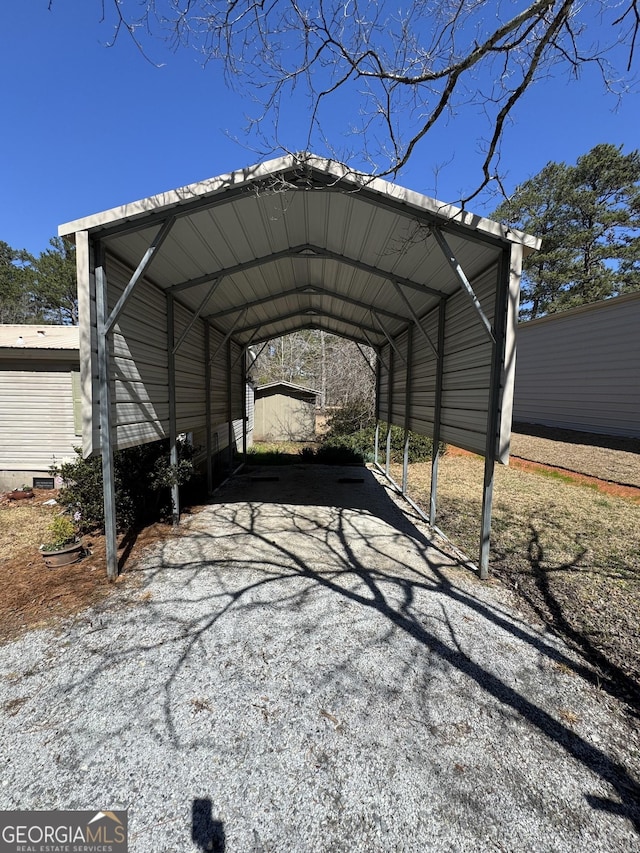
63, 556
20, 494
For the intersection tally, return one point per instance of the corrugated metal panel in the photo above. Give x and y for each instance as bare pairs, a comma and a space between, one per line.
467, 371
467, 367
37, 424
250, 409
237, 382
140, 361
400, 366
581, 369
271, 253
190, 373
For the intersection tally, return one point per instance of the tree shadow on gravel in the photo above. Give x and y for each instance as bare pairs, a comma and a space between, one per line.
256, 533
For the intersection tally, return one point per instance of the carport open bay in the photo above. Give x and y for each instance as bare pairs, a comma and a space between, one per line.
301, 669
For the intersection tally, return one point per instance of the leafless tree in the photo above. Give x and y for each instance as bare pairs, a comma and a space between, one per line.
395, 71
337, 368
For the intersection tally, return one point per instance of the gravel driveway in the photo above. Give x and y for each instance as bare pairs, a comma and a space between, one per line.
302, 670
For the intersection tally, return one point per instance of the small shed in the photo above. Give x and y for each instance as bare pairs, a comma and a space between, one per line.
40, 400
284, 412
579, 369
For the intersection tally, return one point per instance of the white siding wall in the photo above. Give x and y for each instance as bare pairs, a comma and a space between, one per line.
37, 423
581, 369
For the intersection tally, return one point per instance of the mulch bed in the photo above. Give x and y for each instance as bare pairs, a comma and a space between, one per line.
32, 595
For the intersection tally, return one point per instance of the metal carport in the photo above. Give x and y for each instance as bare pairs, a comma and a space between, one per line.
173, 289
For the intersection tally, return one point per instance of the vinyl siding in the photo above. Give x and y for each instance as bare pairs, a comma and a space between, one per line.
580, 369
37, 427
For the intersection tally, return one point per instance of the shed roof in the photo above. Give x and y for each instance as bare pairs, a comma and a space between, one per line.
286, 386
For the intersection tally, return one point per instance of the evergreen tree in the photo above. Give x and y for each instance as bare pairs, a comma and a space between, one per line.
56, 289
588, 217
17, 301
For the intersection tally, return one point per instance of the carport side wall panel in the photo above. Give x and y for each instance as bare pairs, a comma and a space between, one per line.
218, 395
398, 380
190, 373
424, 372
140, 360
383, 383
140, 365
466, 374
237, 393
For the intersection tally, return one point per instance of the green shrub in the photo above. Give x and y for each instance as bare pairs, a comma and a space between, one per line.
362, 441
143, 477
338, 453
62, 531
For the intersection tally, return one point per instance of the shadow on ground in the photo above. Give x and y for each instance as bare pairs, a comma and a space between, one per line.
274, 545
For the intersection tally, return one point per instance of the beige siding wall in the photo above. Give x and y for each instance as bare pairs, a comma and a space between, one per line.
279, 417
37, 426
581, 369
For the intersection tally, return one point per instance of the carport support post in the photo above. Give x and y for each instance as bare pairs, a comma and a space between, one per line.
493, 414
106, 442
407, 412
376, 439
389, 410
437, 415
229, 405
207, 403
243, 391
173, 434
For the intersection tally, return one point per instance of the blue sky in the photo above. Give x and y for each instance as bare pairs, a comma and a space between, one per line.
87, 127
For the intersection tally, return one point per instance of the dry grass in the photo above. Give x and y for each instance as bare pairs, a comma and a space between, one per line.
571, 554
608, 463
23, 524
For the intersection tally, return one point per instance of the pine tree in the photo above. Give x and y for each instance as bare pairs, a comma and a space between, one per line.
588, 217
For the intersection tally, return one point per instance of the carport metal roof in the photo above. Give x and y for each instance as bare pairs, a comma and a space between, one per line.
302, 242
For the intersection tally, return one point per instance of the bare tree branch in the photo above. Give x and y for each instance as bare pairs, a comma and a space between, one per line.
402, 70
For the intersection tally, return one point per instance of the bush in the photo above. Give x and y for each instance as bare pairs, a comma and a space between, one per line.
361, 442
62, 531
143, 478
354, 417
